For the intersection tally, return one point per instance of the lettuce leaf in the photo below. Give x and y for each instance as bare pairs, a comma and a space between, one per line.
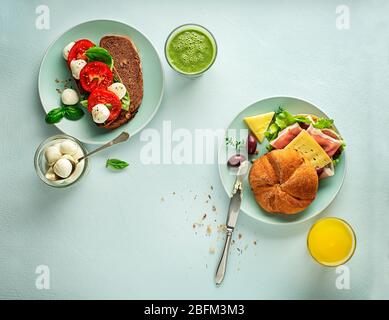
323, 123
282, 120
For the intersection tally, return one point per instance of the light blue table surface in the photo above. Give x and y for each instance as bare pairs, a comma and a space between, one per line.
127, 235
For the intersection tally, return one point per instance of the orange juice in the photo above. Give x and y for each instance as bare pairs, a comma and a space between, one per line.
331, 241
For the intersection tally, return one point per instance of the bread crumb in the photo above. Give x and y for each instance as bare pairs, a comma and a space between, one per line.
212, 250
221, 228
209, 230
239, 236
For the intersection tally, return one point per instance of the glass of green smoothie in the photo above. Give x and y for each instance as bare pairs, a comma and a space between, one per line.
190, 50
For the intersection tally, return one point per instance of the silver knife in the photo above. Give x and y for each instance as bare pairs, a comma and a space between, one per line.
233, 212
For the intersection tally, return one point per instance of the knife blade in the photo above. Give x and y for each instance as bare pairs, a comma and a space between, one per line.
232, 218
236, 199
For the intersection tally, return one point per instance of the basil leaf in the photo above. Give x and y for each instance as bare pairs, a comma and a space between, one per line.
116, 164
126, 102
73, 113
84, 103
99, 54
55, 115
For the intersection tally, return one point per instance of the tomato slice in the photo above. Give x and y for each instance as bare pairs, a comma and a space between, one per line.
95, 75
78, 50
108, 98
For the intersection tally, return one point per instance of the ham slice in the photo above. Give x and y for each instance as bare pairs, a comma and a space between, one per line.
327, 171
331, 133
286, 136
329, 144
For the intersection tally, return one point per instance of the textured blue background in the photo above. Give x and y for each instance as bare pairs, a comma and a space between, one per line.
130, 234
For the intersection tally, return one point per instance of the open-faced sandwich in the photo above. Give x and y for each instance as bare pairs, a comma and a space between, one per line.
109, 78
302, 149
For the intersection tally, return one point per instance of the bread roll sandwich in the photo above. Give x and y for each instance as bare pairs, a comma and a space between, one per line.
283, 181
302, 149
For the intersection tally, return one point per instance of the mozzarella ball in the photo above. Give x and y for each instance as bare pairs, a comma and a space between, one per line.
63, 168
68, 156
67, 49
68, 147
50, 175
79, 154
118, 88
52, 154
69, 97
76, 66
100, 113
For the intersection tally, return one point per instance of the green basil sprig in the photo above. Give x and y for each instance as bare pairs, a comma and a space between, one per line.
99, 54
126, 102
55, 115
73, 113
69, 112
116, 164
84, 103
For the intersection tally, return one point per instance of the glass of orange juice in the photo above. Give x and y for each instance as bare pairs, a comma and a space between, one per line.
331, 241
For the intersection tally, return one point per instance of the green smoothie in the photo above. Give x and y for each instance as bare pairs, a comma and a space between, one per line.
191, 50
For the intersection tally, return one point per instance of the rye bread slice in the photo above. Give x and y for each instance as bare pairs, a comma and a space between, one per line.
128, 69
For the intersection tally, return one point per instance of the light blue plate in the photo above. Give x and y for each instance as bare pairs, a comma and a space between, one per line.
54, 67
328, 188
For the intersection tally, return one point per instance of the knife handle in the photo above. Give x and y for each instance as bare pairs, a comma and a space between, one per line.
221, 269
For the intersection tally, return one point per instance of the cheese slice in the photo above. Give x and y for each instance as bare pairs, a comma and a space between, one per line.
311, 150
258, 124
